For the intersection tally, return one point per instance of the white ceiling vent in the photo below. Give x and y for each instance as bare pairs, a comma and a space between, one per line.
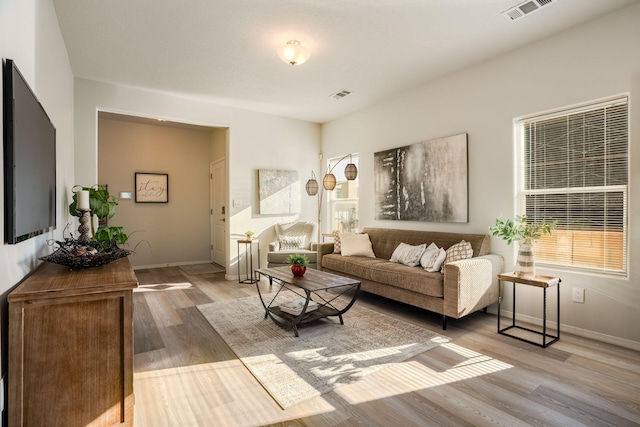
525, 8
341, 94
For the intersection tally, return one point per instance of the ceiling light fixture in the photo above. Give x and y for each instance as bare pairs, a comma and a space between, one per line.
293, 53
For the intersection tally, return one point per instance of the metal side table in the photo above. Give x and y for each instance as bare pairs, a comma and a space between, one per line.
250, 275
543, 282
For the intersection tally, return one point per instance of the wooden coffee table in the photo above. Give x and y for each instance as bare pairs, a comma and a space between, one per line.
307, 286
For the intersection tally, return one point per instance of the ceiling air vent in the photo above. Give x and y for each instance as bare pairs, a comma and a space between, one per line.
525, 8
341, 94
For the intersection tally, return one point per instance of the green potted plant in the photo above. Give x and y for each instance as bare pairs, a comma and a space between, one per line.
299, 263
526, 233
102, 247
249, 234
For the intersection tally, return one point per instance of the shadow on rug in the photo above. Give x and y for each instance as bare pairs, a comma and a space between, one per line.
327, 355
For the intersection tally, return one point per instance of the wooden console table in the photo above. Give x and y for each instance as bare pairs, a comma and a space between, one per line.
71, 347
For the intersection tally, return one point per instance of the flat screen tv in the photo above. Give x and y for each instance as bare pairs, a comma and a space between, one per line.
29, 160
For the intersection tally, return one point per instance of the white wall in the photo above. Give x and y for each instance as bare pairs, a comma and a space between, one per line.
593, 61
255, 141
29, 34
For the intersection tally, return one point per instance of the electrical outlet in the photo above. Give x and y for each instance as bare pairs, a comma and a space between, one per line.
578, 295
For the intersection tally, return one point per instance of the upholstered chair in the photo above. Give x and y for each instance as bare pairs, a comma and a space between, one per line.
293, 238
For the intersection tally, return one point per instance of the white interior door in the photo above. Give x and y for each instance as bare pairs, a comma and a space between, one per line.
218, 212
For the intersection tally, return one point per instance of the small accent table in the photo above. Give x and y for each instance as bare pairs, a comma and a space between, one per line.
543, 282
248, 262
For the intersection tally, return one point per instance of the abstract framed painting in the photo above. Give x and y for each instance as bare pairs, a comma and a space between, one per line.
279, 192
427, 181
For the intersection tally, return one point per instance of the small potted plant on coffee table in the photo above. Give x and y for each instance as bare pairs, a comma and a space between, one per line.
299, 263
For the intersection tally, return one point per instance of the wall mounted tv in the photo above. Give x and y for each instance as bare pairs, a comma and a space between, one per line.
29, 160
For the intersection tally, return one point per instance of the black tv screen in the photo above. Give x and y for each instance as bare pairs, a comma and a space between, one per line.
29, 160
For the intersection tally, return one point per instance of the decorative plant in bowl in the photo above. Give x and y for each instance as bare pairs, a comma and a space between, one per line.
249, 234
102, 248
299, 263
524, 232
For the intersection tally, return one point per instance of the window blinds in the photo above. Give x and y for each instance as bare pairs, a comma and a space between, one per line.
574, 168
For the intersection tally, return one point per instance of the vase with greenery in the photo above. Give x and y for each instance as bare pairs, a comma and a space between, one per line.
299, 263
524, 232
249, 234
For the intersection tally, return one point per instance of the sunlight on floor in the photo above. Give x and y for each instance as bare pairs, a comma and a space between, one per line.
413, 376
156, 287
212, 391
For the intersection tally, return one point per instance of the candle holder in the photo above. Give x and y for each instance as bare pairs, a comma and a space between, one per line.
83, 229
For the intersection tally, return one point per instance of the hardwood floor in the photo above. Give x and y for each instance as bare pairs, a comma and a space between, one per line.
185, 374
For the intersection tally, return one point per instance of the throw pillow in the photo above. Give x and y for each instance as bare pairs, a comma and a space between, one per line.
408, 254
356, 245
461, 250
337, 244
433, 258
291, 242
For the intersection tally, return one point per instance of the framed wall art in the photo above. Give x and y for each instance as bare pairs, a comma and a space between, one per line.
423, 182
279, 192
151, 187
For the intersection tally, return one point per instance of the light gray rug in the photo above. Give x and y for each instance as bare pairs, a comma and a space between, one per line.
327, 355
208, 268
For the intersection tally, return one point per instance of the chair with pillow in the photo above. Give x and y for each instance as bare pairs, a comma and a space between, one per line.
294, 238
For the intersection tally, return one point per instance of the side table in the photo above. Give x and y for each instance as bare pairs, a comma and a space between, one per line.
248, 262
543, 282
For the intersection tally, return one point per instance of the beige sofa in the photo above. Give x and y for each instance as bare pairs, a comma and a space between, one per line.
461, 288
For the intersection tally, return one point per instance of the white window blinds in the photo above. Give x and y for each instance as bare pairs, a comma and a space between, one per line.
574, 168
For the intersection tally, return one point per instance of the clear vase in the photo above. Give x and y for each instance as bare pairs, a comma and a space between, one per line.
524, 263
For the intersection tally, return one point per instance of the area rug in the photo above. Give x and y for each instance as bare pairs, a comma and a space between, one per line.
327, 355
208, 268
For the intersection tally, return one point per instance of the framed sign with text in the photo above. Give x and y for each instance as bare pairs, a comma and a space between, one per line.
152, 187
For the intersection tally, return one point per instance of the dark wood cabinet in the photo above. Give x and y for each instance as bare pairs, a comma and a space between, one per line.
71, 347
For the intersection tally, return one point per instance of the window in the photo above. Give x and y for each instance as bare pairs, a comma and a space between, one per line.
343, 200
574, 168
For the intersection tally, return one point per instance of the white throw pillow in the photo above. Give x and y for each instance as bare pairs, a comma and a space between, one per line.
356, 245
408, 254
432, 258
291, 242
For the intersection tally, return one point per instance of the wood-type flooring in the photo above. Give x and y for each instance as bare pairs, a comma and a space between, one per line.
185, 374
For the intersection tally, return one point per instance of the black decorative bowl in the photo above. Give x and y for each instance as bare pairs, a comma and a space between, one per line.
73, 254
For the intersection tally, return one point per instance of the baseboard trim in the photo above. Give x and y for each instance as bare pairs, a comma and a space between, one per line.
584, 333
171, 264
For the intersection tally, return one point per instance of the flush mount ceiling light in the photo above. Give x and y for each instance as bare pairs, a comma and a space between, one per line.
293, 53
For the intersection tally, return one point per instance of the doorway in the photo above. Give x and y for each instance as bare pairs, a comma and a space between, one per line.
218, 212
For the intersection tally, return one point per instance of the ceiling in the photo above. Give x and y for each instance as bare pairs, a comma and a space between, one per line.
225, 50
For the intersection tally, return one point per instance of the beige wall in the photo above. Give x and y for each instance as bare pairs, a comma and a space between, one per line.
162, 233
254, 141
590, 62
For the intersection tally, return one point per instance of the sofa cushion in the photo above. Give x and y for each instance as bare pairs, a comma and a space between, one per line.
386, 272
385, 240
291, 242
356, 245
433, 258
408, 255
459, 251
